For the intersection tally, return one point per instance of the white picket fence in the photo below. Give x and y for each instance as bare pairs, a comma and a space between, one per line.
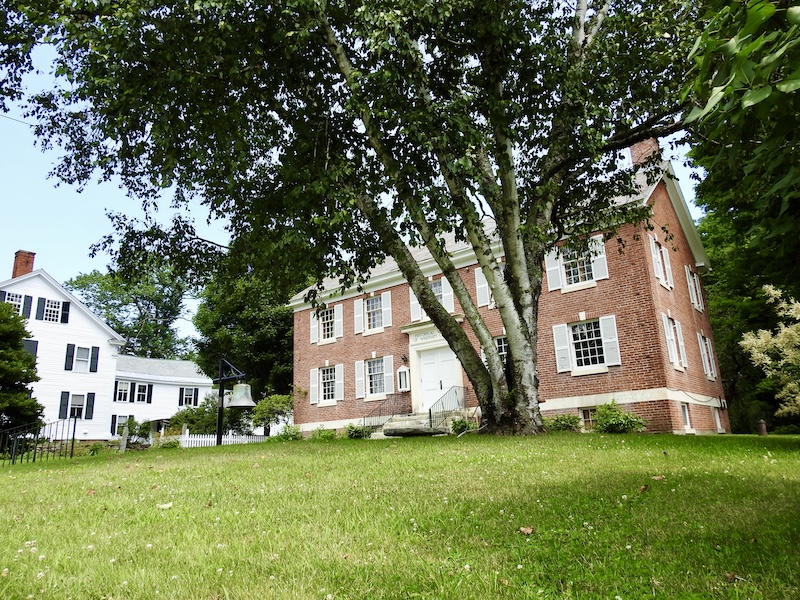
196, 440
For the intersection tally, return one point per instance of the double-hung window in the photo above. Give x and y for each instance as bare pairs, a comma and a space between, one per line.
15, 300
695, 290
587, 347
52, 311
707, 356
123, 389
372, 314
676, 351
374, 377
661, 263
188, 396
570, 270
443, 292
77, 406
326, 325
81, 360
81, 364
326, 385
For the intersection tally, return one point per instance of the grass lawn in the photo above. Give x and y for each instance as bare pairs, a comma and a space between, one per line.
558, 516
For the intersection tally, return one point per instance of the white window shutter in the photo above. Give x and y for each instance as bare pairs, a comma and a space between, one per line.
360, 390
711, 363
608, 333
447, 296
656, 258
481, 288
561, 335
313, 388
339, 389
388, 374
681, 347
314, 327
690, 283
667, 267
703, 353
671, 350
386, 305
415, 307
599, 264
552, 265
338, 321
358, 315
698, 290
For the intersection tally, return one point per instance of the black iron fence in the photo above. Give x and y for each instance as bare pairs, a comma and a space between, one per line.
35, 442
395, 404
444, 407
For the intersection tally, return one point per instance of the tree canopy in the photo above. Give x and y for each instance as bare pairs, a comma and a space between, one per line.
143, 310
338, 134
17, 372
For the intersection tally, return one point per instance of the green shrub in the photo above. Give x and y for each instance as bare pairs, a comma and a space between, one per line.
320, 433
170, 444
357, 432
562, 423
787, 430
610, 418
96, 448
290, 433
459, 426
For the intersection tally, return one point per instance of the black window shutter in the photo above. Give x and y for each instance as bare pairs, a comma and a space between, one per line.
93, 360
89, 406
180, 397
196, 390
113, 424
114, 398
2, 296
70, 357
62, 410
65, 312
31, 346
26, 307
40, 309
150, 394
132, 397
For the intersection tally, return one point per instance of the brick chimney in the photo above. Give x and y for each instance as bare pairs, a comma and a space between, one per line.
23, 263
642, 151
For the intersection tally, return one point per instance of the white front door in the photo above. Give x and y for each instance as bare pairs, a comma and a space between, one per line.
440, 370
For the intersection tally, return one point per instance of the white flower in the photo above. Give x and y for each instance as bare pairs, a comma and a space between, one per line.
467, 567
519, 566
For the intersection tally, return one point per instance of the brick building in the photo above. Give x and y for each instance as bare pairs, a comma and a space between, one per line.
629, 326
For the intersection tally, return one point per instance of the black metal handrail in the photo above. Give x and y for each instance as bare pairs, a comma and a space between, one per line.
393, 405
443, 408
32, 442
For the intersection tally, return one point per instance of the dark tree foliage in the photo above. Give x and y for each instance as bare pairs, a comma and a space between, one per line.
17, 372
203, 419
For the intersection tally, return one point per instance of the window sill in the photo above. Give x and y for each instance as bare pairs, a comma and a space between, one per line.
327, 403
326, 341
697, 308
666, 286
375, 398
578, 371
367, 332
576, 287
679, 368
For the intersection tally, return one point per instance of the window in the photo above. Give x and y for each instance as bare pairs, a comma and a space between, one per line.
188, 396
587, 347
326, 325
52, 311
326, 385
372, 314
707, 356
502, 347
403, 379
588, 415
374, 377
76, 406
15, 300
482, 292
141, 393
676, 351
687, 424
695, 291
81, 360
661, 264
569, 270
443, 292
121, 394
122, 421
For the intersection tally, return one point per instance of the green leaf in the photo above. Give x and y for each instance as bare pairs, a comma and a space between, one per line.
754, 96
793, 14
